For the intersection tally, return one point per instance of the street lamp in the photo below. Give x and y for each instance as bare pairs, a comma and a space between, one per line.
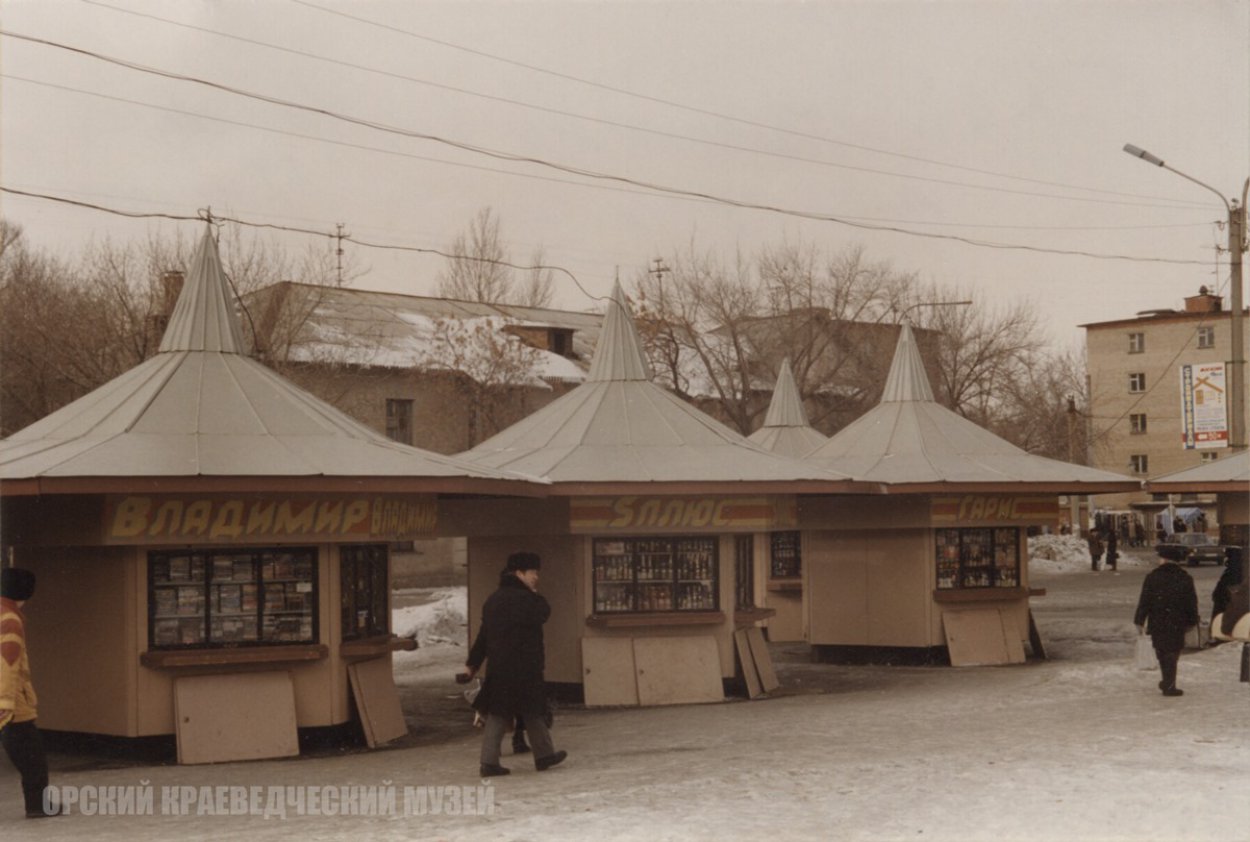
1236, 245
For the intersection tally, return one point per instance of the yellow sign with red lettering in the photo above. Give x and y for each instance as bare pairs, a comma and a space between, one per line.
185, 519
991, 508
681, 514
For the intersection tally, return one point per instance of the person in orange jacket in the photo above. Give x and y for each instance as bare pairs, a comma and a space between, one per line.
18, 731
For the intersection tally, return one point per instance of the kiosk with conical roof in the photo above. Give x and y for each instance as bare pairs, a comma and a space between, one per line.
938, 566
649, 538
211, 546
779, 575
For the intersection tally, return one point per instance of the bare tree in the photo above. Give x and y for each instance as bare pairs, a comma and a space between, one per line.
491, 367
479, 270
717, 334
476, 271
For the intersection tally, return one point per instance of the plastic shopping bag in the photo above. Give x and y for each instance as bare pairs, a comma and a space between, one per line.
1146, 659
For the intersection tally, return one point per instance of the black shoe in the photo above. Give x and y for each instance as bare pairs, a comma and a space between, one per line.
491, 770
542, 764
1162, 686
519, 747
40, 814
1173, 691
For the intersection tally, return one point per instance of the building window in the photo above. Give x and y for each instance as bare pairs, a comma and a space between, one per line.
232, 597
978, 558
655, 574
561, 342
1210, 455
1138, 463
399, 420
1206, 336
785, 557
1137, 382
1137, 423
1136, 343
362, 574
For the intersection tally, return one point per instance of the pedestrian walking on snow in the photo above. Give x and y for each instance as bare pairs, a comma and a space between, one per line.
1167, 608
510, 643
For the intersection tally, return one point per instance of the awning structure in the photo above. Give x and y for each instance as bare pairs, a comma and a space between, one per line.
201, 415
619, 432
912, 444
785, 429
1231, 473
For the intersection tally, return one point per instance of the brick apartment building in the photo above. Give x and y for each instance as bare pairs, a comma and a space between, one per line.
1137, 413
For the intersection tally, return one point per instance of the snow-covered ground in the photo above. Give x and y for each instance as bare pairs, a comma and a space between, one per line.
1078, 747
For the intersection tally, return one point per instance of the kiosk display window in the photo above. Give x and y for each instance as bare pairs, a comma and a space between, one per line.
787, 560
232, 597
363, 571
978, 558
655, 574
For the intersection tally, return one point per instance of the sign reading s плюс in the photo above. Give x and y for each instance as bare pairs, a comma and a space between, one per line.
647, 514
141, 519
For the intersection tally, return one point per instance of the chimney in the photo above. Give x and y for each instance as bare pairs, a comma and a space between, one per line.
1203, 302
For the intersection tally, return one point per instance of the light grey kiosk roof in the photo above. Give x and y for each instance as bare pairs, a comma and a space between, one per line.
1231, 473
785, 429
911, 443
621, 433
202, 415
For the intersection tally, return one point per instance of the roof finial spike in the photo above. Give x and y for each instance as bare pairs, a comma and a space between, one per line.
204, 318
908, 380
619, 355
786, 407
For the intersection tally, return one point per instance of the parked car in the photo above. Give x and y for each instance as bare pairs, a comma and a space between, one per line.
1194, 547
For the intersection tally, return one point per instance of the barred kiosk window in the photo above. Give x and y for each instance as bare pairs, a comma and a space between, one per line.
787, 560
978, 558
223, 598
364, 586
655, 574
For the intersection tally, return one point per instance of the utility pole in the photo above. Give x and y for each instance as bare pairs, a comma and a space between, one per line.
1236, 247
339, 235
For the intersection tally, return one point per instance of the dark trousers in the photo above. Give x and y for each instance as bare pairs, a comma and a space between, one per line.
1167, 665
24, 747
497, 726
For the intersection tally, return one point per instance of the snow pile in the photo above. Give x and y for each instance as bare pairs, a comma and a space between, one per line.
1058, 553
439, 622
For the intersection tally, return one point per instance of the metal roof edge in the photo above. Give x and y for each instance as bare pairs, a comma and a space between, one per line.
38, 486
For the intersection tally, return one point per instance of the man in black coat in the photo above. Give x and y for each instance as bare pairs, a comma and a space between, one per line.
1168, 607
510, 641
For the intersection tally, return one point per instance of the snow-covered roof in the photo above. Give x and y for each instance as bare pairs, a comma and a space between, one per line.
390, 330
909, 442
785, 429
1231, 473
201, 408
619, 429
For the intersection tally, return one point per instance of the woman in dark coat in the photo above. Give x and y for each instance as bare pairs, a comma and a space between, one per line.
510, 641
1168, 607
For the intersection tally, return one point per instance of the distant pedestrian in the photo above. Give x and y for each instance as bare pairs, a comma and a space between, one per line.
1113, 553
1095, 549
510, 643
18, 731
1167, 608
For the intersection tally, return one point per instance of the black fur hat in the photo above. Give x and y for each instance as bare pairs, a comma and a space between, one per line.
17, 584
523, 561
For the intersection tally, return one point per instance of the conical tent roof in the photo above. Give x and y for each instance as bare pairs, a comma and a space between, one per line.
201, 408
1230, 473
910, 442
619, 431
785, 429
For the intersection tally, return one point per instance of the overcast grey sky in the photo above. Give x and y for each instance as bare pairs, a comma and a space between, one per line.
998, 122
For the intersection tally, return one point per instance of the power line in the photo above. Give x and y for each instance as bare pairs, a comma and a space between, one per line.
658, 132
704, 111
445, 162
572, 170
338, 235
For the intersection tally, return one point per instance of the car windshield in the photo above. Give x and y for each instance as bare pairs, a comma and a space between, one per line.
1195, 539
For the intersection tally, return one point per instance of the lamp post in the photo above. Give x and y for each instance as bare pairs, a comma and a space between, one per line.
1236, 245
